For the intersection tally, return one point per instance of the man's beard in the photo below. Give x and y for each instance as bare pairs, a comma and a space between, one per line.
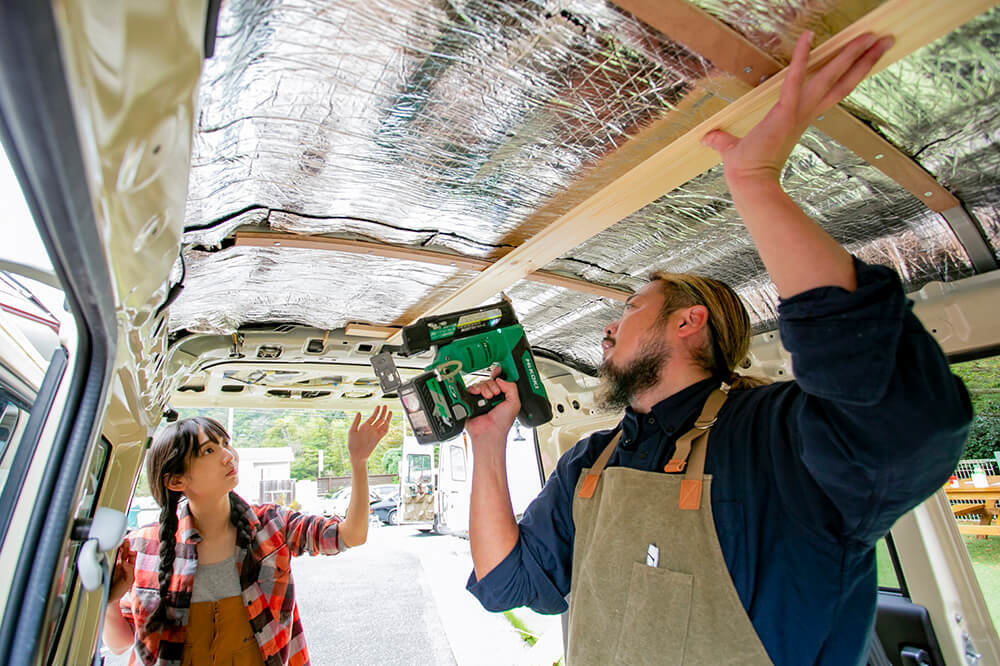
620, 385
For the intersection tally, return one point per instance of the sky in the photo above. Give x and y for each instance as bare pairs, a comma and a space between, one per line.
21, 241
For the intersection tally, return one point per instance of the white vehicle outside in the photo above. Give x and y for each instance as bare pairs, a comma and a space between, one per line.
417, 483
451, 497
337, 504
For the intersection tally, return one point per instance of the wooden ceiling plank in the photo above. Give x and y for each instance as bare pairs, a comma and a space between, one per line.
276, 239
371, 331
702, 33
731, 52
914, 23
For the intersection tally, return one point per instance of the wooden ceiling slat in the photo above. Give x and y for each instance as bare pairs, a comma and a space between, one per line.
731, 52
914, 23
274, 239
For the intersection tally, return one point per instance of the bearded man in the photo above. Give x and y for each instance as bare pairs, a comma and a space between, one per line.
724, 521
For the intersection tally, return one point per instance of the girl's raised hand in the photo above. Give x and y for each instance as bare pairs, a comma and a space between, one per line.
761, 154
363, 437
124, 574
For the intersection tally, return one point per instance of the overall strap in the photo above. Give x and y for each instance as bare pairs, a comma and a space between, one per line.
689, 453
593, 476
692, 447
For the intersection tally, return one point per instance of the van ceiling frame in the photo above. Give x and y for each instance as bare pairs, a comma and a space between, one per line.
275, 239
914, 23
727, 49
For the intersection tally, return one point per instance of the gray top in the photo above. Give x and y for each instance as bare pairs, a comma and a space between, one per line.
216, 581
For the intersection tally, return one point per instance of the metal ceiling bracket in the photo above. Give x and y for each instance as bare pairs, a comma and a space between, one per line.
727, 49
970, 235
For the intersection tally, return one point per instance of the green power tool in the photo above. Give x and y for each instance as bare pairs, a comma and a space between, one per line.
436, 402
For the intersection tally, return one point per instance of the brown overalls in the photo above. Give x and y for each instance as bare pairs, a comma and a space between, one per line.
219, 634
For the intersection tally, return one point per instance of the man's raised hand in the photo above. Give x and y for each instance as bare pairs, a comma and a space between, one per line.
762, 153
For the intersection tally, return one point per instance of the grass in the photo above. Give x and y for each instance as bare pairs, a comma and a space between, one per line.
886, 572
521, 627
985, 556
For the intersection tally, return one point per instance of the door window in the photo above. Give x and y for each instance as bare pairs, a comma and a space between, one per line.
418, 468
889, 577
457, 456
32, 314
974, 489
13, 418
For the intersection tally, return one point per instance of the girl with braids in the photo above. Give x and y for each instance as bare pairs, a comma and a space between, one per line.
211, 581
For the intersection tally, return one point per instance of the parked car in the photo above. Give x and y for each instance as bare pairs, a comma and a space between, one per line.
336, 504
385, 509
384, 490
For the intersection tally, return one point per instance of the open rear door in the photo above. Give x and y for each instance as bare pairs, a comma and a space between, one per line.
47, 488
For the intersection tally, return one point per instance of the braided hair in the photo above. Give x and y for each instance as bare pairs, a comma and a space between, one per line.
244, 536
169, 454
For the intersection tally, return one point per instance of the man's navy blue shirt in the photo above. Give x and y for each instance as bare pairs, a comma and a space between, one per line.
807, 475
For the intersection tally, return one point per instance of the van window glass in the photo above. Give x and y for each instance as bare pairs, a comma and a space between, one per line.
887, 576
974, 489
12, 421
32, 316
457, 463
418, 468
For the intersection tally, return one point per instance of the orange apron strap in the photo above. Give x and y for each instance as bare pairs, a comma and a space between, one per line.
696, 445
589, 484
705, 421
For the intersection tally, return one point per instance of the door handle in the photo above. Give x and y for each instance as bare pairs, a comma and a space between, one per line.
105, 532
913, 656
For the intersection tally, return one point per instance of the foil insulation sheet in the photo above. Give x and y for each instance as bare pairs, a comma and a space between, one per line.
238, 285
695, 228
569, 325
467, 127
941, 105
451, 121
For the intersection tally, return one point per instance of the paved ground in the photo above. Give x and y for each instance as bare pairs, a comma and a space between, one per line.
399, 600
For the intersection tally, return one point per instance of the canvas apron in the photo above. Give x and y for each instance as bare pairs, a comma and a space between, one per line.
650, 585
219, 634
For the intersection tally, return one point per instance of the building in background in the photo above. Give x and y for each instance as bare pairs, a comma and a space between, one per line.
266, 475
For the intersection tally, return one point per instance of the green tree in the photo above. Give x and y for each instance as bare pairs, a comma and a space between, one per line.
307, 432
220, 414
982, 378
390, 460
305, 464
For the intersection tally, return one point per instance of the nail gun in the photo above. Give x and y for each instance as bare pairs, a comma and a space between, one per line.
436, 402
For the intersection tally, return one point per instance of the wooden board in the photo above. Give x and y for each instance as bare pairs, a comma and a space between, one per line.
913, 23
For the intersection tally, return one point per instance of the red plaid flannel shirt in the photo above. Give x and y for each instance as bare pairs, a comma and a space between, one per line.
279, 534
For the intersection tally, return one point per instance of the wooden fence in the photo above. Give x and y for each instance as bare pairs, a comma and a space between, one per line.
277, 491
331, 484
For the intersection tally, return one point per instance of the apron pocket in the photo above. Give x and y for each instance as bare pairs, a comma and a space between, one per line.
655, 625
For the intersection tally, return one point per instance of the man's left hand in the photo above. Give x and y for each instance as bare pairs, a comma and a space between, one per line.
761, 154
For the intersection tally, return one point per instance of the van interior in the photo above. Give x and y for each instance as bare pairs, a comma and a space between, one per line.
243, 202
